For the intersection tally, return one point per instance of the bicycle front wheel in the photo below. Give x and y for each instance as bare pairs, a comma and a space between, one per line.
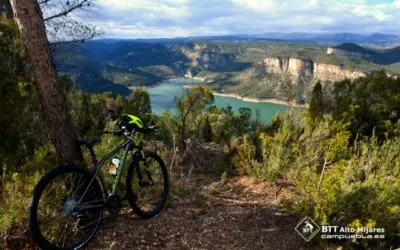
66, 209
147, 185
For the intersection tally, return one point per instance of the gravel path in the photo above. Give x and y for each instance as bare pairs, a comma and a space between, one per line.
238, 213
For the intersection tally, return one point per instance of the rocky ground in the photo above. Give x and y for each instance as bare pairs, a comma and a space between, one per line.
208, 213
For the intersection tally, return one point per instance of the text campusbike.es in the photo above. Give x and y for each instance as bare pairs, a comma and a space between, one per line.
337, 232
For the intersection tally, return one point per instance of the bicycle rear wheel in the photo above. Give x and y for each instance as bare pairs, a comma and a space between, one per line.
147, 185
66, 209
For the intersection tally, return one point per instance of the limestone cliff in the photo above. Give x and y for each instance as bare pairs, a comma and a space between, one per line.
297, 68
291, 66
329, 72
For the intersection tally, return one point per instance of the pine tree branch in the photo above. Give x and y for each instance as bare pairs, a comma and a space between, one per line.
82, 40
67, 11
43, 2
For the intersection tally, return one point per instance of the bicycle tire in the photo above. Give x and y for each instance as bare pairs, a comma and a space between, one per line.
34, 224
132, 196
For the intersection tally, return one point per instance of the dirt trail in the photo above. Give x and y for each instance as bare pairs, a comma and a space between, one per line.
237, 213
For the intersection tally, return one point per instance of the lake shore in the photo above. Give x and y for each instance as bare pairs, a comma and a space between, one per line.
165, 81
228, 95
162, 98
250, 99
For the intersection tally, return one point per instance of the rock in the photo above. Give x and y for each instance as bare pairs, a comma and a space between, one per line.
297, 68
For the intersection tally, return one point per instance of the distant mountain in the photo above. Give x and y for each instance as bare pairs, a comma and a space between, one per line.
169, 41
376, 39
333, 37
177, 57
104, 65
112, 64
94, 75
354, 48
382, 56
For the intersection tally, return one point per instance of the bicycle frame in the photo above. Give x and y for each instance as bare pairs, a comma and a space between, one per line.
129, 145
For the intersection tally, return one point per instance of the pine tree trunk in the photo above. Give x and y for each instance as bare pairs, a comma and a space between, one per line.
29, 18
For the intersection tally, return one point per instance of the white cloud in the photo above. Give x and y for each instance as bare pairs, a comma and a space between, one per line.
313, 3
141, 30
361, 10
396, 4
325, 20
381, 16
140, 4
377, 12
257, 5
172, 8
169, 18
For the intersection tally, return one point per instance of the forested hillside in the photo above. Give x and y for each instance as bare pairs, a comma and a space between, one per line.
254, 69
338, 160
95, 76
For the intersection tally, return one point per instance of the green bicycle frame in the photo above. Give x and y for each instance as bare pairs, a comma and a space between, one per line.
129, 145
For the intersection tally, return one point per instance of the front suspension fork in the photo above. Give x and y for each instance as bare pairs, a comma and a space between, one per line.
141, 182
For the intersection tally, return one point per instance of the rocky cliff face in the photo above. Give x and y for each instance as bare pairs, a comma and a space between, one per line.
329, 72
291, 66
297, 68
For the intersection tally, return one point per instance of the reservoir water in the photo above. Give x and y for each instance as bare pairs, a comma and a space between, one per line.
162, 99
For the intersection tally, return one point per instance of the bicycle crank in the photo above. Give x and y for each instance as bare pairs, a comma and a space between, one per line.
114, 204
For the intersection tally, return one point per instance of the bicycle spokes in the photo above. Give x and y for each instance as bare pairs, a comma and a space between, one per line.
61, 217
148, 184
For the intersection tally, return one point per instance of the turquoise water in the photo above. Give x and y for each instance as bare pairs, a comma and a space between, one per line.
162, 98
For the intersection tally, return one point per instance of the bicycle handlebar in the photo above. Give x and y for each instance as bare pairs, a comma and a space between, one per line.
120, 132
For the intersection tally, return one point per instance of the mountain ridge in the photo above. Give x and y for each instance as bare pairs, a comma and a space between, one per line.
133, 63
374, 39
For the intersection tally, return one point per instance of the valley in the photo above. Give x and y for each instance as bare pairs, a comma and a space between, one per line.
162, 99
255, 69
168, 124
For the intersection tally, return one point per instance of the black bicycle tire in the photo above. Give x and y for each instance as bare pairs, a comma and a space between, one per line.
39, 188
131, 196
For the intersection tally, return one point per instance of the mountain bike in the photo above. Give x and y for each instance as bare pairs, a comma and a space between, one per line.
69, 201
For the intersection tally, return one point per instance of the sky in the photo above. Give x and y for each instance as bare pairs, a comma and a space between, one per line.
183, 18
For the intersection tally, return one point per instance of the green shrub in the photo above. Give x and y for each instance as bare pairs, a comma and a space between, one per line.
17, 189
